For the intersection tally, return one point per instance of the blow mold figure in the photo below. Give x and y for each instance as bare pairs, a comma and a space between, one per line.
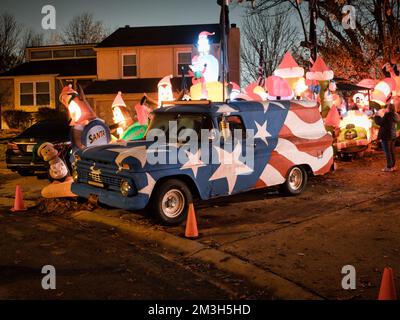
58, 170
322, 74
205, 71
127, 130
58, 173
87, 130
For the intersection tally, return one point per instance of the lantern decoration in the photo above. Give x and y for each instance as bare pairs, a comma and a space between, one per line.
278, 89
383, 91
165, 90
121, 115
289, 70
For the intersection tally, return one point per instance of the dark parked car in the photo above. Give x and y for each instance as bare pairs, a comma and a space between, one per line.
21, 156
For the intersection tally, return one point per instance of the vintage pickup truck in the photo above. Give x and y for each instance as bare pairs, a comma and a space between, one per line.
285, 142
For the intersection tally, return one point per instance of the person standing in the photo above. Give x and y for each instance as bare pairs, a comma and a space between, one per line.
387, 133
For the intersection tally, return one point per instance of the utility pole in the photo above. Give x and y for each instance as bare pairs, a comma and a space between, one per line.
313, 28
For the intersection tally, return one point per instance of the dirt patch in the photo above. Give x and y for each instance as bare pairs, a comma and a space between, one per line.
61, 206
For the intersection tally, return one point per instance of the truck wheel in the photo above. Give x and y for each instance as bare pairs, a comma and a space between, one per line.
296, 181
170, 202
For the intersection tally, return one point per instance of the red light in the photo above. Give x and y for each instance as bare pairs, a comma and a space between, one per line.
12, 146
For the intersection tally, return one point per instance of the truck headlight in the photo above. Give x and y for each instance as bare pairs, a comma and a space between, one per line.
126, 188
75, 175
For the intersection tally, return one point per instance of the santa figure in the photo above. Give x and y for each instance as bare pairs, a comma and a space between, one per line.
207, 60
165, 90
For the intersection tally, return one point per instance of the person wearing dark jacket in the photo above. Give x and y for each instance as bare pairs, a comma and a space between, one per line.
387, 134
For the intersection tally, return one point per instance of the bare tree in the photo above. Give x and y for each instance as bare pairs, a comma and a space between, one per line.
375, 39
14, 39
84, 29
279, 36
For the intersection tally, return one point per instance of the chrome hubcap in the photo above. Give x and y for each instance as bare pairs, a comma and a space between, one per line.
295, 178
173, 203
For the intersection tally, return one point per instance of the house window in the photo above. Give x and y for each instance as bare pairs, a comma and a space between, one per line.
64, 53
184, 61
27, 97
85, 53
35, 93
36, 55
129, 66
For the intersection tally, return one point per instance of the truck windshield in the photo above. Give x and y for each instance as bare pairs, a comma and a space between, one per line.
165, 121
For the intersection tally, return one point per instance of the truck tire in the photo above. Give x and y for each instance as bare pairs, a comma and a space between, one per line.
170, 202
296, 181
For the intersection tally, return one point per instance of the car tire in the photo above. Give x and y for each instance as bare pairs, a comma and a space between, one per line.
170, 202
296, 181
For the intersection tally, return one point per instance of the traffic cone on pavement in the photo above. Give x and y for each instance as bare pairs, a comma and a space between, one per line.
191, 231
387, 290
19, 201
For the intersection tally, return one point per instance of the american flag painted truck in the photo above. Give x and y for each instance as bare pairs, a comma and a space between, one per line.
289, 143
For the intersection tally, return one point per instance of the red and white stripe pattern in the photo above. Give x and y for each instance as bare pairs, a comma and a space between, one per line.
303, 139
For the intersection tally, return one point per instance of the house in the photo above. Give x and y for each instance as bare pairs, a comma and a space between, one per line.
131, 60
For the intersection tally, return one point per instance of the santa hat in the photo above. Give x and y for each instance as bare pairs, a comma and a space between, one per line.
118, 101
166, 81
320, 71
289, 68
205, 34
235, 86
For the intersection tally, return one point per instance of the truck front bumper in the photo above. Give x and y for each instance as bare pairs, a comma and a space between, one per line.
111, 198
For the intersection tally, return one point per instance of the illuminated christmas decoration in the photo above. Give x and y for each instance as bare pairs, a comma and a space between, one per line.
121, 115
87, 129
320, 71
278, 89
165, 90
205, 62
289, 70
333, 117
383, 91
235, 92
79, 109
256, 92
57, 168
300, 87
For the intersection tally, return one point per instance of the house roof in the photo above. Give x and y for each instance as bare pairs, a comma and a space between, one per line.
162, 35
130, 85
62, 68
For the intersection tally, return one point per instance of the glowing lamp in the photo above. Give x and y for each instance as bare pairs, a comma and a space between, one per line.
300, 87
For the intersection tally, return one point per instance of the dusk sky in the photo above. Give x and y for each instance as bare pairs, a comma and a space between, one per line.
116, 13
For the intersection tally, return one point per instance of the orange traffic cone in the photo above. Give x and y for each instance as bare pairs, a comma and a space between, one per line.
387, 290
191, 231
19, 201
